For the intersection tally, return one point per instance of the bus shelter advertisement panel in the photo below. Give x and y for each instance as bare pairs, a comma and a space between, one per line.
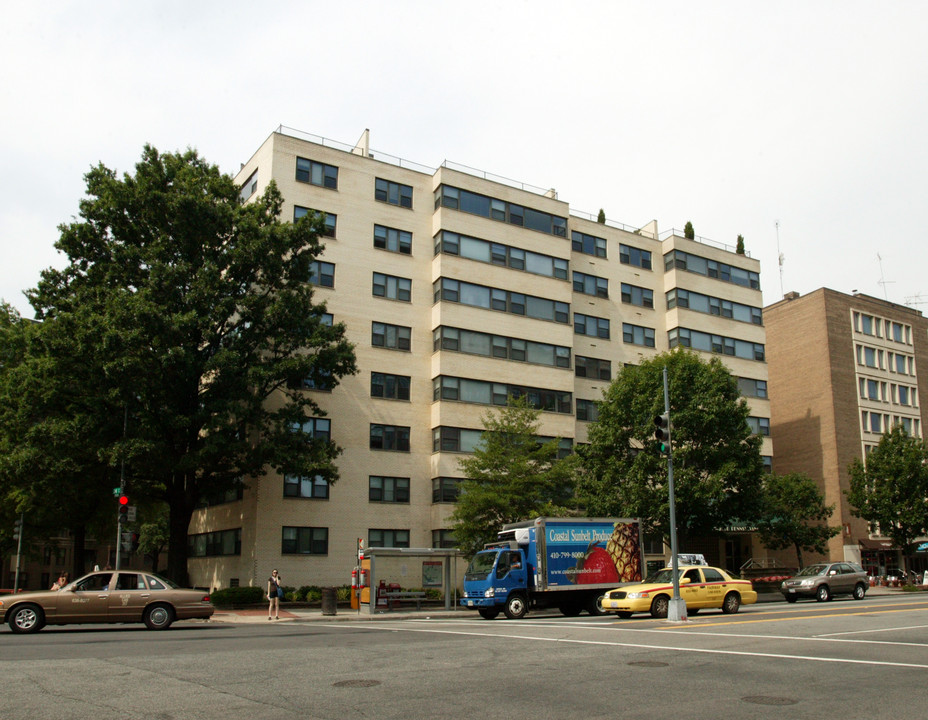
592, 553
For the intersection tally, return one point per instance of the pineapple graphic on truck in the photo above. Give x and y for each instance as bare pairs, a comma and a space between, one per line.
567, 563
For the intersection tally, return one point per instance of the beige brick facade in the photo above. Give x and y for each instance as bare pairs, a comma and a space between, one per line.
538, 274
836, 361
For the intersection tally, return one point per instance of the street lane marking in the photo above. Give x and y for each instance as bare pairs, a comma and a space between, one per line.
875, 630
405, 627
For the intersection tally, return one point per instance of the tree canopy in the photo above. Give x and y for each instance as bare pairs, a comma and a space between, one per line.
891, 488
510, 477
177, 340
795, 515
716, 457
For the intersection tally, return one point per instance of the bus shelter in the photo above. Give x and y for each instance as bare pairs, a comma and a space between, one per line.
405, 574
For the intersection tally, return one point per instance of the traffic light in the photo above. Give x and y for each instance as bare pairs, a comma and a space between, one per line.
662, 432
123, 508
17, 529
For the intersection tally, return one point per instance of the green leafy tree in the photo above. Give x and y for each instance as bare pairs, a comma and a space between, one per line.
153, 538
795, 516
891, 488
717, 462
739, 248
601, 218
194, 316
688, 231
510, 477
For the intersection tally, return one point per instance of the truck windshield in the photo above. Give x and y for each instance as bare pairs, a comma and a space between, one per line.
480, 566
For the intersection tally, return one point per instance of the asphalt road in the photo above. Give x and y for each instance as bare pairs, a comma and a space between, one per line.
847, 659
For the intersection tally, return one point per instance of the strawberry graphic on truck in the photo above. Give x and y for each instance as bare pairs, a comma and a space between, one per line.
567, 563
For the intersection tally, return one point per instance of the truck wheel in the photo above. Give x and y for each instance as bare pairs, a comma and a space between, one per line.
571, 610
659, 606
595, 606
488, 613
515, 607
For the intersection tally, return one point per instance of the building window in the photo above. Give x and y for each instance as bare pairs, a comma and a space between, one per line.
445, 490
476, 204
592, 368
711, 268
215, 544
448, 290
316, 173
393, 337
388, 489
389, 437
304, 541
714, 306
587, 410
452, 439
392, 287
499, 346
499, 254
629, 255
483, 392
698, 340
749, 387
393, 193
330, 219
590, 325
322, 273
388, 538
387, 238
591, 285
392, 387
315, 429
443, 539
249, 187
587, 244
316, 487
637, 335
634, 295
759, 425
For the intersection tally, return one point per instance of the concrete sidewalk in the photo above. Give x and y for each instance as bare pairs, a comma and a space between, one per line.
259, 615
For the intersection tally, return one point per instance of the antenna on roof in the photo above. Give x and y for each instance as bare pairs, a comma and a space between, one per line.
881, 281
780, 256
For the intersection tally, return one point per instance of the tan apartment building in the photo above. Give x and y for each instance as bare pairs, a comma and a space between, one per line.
458, 289
843, 370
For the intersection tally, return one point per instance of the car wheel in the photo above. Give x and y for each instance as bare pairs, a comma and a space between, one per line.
823, 593
659, 606
515, 607
159, 617
489, 613
571, 610
27, 618
624, 614
791, 598
860, 591
731, 603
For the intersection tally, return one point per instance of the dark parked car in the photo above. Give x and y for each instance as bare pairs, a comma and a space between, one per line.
824, 580
106, 597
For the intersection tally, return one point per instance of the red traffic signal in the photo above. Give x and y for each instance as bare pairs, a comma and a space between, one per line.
123, 501
123, 508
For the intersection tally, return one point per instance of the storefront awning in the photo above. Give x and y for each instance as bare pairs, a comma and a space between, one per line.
868, 544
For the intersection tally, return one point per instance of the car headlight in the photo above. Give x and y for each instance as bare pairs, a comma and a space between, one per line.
490, 592
636, 595
807, 583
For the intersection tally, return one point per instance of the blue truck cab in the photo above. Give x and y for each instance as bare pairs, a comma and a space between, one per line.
494, 575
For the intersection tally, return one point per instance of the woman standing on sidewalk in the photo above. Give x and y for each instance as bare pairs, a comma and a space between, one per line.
273, 595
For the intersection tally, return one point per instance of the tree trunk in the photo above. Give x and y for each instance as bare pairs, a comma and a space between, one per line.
181, 510
77, 551
799, 555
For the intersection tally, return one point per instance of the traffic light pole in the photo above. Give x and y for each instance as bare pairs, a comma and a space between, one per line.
676, 610
19, 551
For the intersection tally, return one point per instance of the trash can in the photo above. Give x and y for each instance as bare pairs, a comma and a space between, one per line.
329, 604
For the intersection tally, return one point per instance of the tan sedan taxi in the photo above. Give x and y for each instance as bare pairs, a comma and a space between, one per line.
124, 596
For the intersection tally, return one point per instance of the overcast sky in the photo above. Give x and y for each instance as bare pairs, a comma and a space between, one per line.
732, 115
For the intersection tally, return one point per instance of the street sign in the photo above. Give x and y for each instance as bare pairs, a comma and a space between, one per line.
117, 492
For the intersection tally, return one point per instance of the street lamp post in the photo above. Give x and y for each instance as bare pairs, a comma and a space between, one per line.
676, 610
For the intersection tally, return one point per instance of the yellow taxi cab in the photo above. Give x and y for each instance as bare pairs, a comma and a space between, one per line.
701, 586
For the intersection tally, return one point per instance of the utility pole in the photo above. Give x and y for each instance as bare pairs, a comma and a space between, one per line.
18, 536
676, 610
